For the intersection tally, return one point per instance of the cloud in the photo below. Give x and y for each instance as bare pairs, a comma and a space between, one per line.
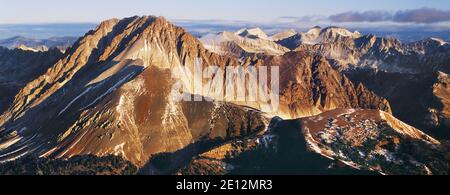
308, 19
421, 15
367, 16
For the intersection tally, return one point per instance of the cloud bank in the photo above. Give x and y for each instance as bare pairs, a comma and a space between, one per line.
368, 16
421, 15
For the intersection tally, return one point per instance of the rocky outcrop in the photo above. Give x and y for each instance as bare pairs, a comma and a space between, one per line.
310, 86
342, 141
242, 43
374, 140
389, 68
350, 51
423, 106
441, 94
110, 94
18, 67
283, 35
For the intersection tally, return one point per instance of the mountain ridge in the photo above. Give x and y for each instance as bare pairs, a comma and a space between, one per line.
61, 43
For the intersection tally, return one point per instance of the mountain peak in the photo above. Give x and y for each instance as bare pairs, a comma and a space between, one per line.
283, 35
107, 23
438, 40
341, 31
137, 50
252, 33
314, 31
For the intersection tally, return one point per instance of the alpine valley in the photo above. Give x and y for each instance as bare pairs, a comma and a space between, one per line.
349, 103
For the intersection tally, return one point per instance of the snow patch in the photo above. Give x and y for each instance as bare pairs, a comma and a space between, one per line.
118, 150
440, 41
113, 88
75, 99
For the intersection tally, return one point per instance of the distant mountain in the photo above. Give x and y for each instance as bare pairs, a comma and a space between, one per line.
388, 67
283, 35
242, 43
373, 61
45, 30
317, 35
61, 43
368, 52
253, 33
348, 50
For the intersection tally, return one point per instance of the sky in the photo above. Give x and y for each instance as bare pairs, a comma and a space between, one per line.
67, 11
415, 19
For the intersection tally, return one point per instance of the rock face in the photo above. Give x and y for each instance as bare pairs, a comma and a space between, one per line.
350, 51
374, 140
424, 106
283, 35
383, 65
310, 86
110, 94
387, 67
317, 35
441, 93
242, 43
342, 141
18, 67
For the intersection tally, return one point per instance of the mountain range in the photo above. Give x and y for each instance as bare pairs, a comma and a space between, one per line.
386, 66
24, 43
341, 93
